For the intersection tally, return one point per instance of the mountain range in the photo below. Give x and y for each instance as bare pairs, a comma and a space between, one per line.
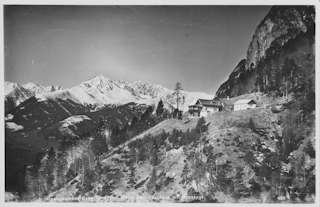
100, 91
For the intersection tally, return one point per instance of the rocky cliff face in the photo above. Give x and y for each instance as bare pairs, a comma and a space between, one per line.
280, 27
281, 24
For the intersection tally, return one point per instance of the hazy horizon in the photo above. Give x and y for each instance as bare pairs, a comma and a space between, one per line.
198, 46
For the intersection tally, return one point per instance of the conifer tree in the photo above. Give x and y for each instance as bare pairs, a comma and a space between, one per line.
114, 141
177, 93
175, 113
180, 115
70, 175
60, 178
160, 108
98, 169
152, 184
99, 144
146, 121
133, 125
50, 167
154, 160
133, 154
142, 153
132, 180
185, 172
201, 125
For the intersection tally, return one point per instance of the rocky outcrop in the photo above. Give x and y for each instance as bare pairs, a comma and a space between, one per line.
281, 26
228, 88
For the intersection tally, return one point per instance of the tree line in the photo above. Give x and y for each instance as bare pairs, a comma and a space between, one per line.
280, 75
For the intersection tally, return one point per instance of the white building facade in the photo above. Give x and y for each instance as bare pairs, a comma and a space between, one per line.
244, 104
203, 108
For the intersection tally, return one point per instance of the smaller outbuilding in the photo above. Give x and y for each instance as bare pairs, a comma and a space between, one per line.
244, 104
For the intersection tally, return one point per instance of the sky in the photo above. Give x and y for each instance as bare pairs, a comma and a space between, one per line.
198, 46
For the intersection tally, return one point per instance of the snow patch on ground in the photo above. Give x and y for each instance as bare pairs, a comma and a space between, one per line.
148, 101
13, 126
74, 119
145, 96
40, 97
64, 127
62, 94
9, 117
82, 96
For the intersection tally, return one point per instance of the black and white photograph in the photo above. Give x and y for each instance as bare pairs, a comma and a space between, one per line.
160, 103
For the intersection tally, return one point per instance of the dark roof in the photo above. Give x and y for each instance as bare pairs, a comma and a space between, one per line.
244, 101
206, 102
216, 103
198, 105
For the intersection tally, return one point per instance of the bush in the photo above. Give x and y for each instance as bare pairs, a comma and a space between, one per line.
309, 150
70, 175
175, 113
106, 190
192, 192
106, 169
201, 125
168, 147
275, 110
86, 188
251, 124
152, 184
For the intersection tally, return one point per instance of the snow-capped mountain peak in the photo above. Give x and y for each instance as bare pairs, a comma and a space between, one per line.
100, 90
30, 85
106, 91
38, 89
9, 87
98, 82
15, 94
121, 81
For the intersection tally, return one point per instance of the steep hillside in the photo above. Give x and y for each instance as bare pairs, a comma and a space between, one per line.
237, 157
283, 33
34, 113
31, 131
